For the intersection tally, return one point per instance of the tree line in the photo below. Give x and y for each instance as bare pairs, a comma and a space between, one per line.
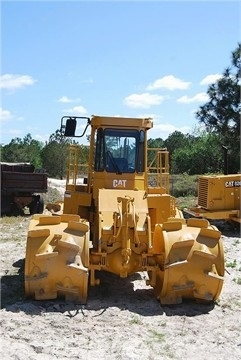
198, 153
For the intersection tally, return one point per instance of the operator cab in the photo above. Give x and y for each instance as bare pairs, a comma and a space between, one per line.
119, 150
114, 149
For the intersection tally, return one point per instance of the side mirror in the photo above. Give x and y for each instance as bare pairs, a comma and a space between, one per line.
70, 127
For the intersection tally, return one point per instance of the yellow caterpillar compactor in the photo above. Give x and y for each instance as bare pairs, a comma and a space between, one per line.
120, 219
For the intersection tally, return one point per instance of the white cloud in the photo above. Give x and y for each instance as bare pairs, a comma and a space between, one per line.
76, 110
5, 115
160, 129
65, 99
42, 138
12, 82
169, 82
144, 100
201, 97
164, 130
210, 79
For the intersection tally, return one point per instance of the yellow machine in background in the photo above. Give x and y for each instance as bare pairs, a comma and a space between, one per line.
218, 198
121, 219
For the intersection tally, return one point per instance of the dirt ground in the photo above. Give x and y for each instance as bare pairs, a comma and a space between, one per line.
121, 320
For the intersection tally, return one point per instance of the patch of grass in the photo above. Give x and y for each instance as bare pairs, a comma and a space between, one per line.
231, 303
232, 264
18, 223
11, 220
183, 185
135, 320
186, 202
163, 324
157, 335
184, 188
238, 281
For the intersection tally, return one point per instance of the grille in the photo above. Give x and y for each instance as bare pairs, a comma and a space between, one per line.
203, 192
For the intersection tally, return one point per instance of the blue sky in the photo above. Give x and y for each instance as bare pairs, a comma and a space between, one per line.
114, 58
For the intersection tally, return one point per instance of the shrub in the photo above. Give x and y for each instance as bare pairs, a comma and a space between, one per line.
183, 185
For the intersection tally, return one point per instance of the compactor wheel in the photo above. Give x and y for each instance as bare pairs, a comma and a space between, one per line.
57, 258
193, 262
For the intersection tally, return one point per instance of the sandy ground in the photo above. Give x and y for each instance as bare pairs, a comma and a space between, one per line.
121, 320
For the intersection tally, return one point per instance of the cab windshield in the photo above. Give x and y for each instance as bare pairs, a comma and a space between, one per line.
119, 151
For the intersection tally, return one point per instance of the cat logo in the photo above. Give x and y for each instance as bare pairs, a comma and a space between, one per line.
232, 183
119, 183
